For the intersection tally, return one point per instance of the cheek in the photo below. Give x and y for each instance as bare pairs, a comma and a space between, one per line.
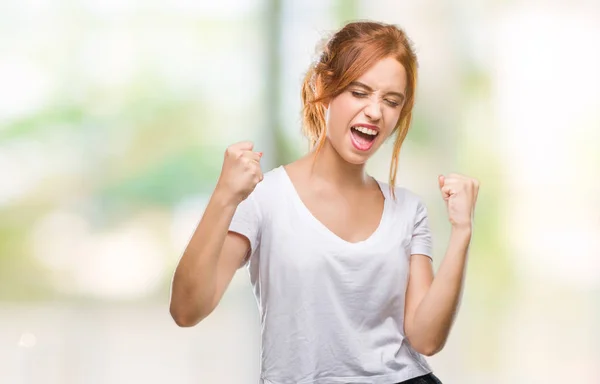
338, 117
392, 119
332, 123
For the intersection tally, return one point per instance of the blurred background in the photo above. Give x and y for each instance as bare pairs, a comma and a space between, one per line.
114, 116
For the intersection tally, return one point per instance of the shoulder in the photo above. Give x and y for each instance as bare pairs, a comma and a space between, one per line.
401, 196
405, 202
272, 180
270, 187
410, 197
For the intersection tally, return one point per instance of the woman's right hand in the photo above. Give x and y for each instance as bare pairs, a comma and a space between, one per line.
240, 173
213, 254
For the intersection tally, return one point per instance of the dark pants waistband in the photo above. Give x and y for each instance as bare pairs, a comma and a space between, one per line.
429, 378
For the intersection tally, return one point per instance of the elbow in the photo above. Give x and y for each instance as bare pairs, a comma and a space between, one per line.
185, 322
184, 318
188, 310
426, 347
429, 349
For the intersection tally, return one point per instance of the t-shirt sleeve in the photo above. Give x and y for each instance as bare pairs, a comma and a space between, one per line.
421, 242
246, 221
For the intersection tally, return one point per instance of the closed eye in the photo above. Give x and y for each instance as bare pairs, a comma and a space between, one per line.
392, 103
359, 94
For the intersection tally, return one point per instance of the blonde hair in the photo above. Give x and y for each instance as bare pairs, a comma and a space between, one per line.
348, 54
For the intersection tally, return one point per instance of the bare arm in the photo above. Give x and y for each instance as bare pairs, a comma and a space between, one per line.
208, 264
432, 303
213, 254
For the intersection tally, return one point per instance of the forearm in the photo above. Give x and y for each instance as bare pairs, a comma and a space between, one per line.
194, 281
435, 313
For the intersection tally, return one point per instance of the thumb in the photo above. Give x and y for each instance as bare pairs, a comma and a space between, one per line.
441, 180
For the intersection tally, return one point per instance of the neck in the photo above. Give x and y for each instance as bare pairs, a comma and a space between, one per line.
327, 164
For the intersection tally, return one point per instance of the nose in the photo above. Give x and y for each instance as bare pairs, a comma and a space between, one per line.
373, 109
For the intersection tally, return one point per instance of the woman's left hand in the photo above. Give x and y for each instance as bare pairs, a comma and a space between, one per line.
460, 194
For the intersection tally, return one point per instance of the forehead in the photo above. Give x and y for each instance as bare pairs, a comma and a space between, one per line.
386, 74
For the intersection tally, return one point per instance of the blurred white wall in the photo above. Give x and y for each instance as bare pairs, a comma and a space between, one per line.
508, 94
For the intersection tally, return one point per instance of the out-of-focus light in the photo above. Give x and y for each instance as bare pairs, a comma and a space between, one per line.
126, 263
51, 244
27, 340
23, 163
210, 9
110, 58
25, 87
547, 96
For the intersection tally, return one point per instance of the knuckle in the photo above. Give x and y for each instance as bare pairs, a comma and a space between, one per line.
230, 151
244, 145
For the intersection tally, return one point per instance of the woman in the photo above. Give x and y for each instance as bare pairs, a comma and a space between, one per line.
341, 264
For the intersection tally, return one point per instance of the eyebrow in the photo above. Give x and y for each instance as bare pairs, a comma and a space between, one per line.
366, 87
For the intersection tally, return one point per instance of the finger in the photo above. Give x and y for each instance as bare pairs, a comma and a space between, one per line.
447, 191
237, 149
458, 184
244, 145
254, 156
441, 181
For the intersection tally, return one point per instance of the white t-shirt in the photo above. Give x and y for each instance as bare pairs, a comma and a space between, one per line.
331, 311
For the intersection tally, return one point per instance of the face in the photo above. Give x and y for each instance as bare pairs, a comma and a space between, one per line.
364, 115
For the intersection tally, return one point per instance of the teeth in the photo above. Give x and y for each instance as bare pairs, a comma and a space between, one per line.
366, 130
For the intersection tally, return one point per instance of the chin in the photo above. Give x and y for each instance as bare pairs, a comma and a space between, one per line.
355, 158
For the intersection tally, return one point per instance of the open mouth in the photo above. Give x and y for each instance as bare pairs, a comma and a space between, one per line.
363, 137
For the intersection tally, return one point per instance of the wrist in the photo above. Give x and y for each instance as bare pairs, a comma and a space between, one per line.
224, 199
465, 228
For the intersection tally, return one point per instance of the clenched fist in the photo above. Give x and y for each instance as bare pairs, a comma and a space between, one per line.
240, 173
460, 194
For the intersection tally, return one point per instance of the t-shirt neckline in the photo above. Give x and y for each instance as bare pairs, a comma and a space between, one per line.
295, 197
